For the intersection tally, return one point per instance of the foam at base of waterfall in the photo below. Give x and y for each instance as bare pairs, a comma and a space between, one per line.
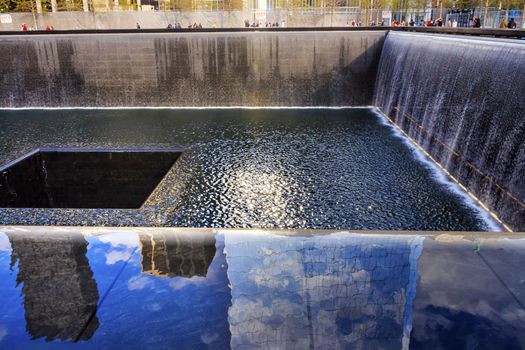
461, 100
441, 177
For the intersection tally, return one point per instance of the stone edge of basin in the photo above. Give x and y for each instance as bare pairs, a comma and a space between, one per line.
444, 236
490, 32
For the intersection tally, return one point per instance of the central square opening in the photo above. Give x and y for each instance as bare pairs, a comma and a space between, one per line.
84, 178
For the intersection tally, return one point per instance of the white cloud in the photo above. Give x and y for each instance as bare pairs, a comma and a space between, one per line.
115, 256
139, 283
154, 307
181, 282
128, 239
3, 333
5, 246
209, 338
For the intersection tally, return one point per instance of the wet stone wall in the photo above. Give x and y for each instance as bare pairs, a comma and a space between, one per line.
190, 69
463, 101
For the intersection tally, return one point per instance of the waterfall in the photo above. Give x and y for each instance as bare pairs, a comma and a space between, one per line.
463, 101
190, 69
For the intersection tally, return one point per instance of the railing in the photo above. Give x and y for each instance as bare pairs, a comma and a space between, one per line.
487, 32
501, 33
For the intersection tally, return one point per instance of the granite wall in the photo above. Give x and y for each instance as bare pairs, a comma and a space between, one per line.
190, 69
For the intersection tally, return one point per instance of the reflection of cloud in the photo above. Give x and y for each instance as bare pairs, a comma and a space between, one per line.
179, 282
115, 256
3, 333
444, 307
13, 229
128, 239
154, 307
139, 283
336, 291
512, 314
209, 338
5, 246
122, 245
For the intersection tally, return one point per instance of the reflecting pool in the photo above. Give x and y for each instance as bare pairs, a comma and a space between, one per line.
219, 289
264, 168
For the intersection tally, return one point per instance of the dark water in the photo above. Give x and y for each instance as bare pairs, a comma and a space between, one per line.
147, 289
292, 168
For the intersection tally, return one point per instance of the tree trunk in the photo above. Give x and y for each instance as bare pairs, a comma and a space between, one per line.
332, 14
33, 12
485, 13
54, 6
38, 6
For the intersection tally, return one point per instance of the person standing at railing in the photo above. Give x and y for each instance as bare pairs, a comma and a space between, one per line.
512, 24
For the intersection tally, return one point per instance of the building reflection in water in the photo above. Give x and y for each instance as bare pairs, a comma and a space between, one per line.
60, 293
470, 296
250, 290
334, 291
184, 255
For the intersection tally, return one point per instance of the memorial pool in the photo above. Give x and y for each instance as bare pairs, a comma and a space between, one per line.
318, 168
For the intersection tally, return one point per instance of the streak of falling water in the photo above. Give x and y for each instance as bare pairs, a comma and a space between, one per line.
463, 100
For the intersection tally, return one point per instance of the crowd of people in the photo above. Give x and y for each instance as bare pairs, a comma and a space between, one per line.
247, 24
511, 25
267, 24
26, 28
439, 22
177, 25
475, 22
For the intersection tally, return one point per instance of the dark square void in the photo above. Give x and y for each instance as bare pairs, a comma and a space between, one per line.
84, 178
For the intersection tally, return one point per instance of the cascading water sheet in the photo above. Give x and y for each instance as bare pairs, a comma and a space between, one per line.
463, 101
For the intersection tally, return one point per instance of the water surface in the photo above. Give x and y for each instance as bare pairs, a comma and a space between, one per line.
193, 289
268, 168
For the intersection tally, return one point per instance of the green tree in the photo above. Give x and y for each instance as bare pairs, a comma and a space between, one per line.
17, 5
